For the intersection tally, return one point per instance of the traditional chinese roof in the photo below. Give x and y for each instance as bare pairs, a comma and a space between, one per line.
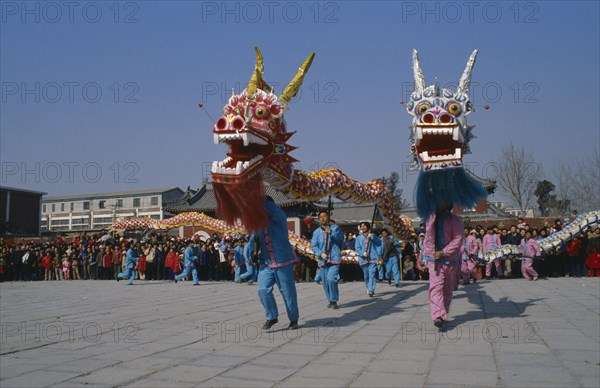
203, 200
489, 184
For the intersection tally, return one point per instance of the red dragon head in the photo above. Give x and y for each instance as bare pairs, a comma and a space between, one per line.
253, 128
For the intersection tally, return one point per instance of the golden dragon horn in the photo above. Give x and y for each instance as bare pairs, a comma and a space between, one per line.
290, 91
257, 82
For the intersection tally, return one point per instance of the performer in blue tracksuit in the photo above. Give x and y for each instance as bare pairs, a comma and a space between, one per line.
390, 258
251, 273
277, 261
131, 259
240, 261
326, 245
189, 263
369, 249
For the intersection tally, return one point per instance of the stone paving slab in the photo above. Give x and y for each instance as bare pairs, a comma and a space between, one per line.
502, 333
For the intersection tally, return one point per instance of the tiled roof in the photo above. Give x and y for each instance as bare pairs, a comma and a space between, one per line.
111, 195
203, 200
14, 189
489, 184
349, 213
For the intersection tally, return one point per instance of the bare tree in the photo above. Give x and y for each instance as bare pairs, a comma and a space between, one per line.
579, 182
517, 175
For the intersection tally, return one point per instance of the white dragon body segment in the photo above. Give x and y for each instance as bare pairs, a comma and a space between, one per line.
580, 224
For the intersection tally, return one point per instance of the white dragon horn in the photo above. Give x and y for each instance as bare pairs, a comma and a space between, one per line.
465, 79
418, 73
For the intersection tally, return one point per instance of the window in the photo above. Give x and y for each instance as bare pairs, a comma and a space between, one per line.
86, 205
119, 203
153, 201
103, 220
102, 205
62, 207
53, 209
44, 208
72, 206
136, 202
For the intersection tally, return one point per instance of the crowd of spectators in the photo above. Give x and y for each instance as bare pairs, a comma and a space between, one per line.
161, 257
98, 258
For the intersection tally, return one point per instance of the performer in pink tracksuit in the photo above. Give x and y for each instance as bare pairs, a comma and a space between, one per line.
441, 249
491, 241
529, 248
468, 254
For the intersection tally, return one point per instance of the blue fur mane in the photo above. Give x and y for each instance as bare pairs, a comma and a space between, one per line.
446, 186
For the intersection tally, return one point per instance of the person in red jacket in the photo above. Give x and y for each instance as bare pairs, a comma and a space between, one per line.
593, 263
47, 264
169, 263
176, 261
107, 265
141, 267
574, 251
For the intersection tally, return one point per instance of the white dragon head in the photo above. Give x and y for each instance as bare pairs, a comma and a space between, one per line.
439, 135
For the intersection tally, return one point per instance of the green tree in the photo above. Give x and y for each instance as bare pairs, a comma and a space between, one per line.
542, 192
392, 184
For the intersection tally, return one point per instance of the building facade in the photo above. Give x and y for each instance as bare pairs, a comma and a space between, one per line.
94, 212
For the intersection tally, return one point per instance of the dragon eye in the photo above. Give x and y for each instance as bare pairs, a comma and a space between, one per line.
261, 112
454, 108
422, 108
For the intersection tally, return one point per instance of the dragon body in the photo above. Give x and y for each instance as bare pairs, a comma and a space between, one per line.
579, 225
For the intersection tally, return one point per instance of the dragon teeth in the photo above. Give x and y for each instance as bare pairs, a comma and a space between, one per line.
434, 158
419, 133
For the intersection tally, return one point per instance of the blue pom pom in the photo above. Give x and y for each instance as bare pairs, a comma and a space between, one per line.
451, 186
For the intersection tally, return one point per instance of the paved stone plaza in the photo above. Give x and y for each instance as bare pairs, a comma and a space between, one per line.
155, 334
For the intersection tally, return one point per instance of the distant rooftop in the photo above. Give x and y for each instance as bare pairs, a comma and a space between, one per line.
203, 200
22, 190
128, 193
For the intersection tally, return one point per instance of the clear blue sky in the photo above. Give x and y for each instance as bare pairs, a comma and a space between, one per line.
153, 61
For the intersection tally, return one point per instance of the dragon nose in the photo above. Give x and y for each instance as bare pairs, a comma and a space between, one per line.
428, 118
221, 123
431, 118
446, 118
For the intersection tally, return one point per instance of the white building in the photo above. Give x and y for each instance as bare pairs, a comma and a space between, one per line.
92, 212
